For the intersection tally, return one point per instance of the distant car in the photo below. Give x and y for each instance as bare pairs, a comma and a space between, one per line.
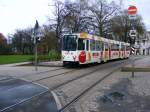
17, 95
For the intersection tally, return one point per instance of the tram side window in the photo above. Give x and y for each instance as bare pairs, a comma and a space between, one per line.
92, 45
112, 47
106, 47
128, 48
115, 47
102, 46
87, 45
98, 46
81, 44
122, 47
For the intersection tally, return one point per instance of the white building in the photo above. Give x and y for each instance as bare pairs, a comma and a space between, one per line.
142, 44
147, 44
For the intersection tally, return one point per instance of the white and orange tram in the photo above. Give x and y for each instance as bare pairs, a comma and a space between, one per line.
83, 48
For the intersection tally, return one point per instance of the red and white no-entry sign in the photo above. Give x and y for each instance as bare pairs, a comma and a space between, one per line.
132, 10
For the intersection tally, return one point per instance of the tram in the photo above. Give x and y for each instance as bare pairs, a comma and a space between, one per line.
83, 48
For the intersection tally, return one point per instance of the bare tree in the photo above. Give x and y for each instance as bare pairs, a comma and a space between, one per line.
101, 13
59, 14
77, 18
57, 24
70, 17
121, 25
22, 41
49, 40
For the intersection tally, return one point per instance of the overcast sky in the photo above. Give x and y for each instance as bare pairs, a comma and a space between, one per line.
143, 7
19, 14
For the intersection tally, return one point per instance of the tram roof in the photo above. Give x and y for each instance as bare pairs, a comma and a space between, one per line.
90, 36
85, 35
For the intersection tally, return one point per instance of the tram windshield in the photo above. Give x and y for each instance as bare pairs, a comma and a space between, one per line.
70, 42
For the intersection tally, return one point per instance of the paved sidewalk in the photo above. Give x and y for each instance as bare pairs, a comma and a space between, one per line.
50, 64
120, 92
145, 62
14, 64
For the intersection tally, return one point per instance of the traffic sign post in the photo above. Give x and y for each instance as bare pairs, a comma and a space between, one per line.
36, 28
132, 11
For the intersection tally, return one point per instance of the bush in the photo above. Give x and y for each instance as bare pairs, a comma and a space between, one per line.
5, 49
52, 56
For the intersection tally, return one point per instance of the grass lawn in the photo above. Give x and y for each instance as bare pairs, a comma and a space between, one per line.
6, 59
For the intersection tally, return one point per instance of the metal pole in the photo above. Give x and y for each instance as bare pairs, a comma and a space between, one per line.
36, 27
133, 39
35, 63
133, 65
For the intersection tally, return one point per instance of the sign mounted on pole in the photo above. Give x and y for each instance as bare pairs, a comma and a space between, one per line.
132, 17
132, 50
132, 33
132, 10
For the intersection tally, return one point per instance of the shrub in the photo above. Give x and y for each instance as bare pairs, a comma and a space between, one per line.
52, 56
5, 49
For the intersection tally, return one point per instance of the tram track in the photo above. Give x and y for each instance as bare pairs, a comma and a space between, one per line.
26, 76
76, 98
64, 73
51, 76
38, 73
34, 74
76, 78
43, 73
97, 68
47, 71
